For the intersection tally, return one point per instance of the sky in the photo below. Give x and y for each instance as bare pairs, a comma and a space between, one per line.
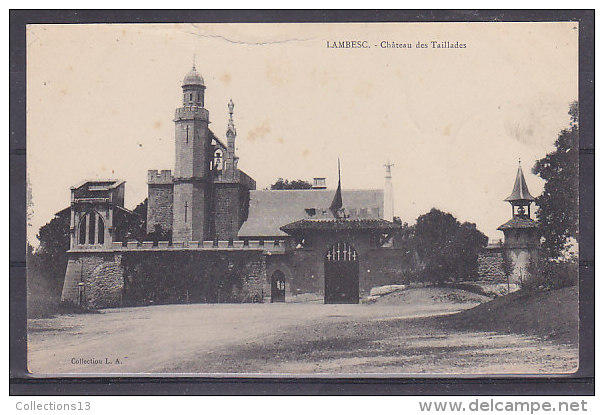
454, 121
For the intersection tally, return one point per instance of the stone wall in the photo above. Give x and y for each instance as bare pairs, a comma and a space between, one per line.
159, 206
520, 255
192, 276
194, 225
304, 268
386, 267
102, 276
227, 211
490, 266
104, 284
135, 277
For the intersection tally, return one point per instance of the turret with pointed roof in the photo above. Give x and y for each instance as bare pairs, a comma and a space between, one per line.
521, 242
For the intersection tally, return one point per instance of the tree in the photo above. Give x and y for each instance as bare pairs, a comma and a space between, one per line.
135, 226
281, 184
46, 266
448, 250
558, 212
51, 255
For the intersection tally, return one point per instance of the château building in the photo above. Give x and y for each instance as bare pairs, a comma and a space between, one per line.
228, 241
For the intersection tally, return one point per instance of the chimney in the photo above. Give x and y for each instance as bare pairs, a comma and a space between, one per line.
388, 196
319, 183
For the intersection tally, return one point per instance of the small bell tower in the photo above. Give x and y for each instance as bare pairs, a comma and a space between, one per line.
521, 237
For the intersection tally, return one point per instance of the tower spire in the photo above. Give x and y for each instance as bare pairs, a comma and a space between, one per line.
520, 198
230, 159
520, 192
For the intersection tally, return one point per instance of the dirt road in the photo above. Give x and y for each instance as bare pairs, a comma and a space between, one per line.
280, 338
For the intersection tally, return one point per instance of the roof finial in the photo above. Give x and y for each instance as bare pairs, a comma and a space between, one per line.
519, 163
231, 107
388, 166
231, 127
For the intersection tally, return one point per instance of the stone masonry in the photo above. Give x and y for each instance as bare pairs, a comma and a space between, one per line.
160, 200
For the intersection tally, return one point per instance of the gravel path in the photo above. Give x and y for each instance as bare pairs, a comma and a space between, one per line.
305, 338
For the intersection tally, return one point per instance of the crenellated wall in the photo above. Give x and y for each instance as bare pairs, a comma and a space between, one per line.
134, 274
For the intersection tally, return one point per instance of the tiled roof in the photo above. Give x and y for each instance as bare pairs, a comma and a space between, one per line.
518, 223
339, 224
271, 209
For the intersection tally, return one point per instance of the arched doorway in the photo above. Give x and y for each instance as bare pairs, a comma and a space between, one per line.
341, 274
278, 287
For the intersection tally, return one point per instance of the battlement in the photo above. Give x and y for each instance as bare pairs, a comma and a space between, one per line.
269, 247
156, 177
191, 112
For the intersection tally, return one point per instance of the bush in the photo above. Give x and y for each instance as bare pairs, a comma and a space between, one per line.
551, 274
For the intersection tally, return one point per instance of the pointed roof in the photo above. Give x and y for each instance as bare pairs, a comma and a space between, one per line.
520, 191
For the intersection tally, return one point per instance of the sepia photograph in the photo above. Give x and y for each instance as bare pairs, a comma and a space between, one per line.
303, 199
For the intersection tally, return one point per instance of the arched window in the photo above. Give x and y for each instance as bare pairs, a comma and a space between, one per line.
91, 230
218, 160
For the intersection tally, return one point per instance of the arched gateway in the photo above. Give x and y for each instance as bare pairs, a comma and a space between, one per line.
278, 287
341, 274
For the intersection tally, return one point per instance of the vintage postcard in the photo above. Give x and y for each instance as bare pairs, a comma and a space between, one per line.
317, 199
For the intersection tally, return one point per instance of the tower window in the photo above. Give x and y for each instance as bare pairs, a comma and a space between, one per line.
186, 206
191, 97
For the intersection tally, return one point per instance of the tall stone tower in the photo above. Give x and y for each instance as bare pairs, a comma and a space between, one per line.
192, 174
521, 243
